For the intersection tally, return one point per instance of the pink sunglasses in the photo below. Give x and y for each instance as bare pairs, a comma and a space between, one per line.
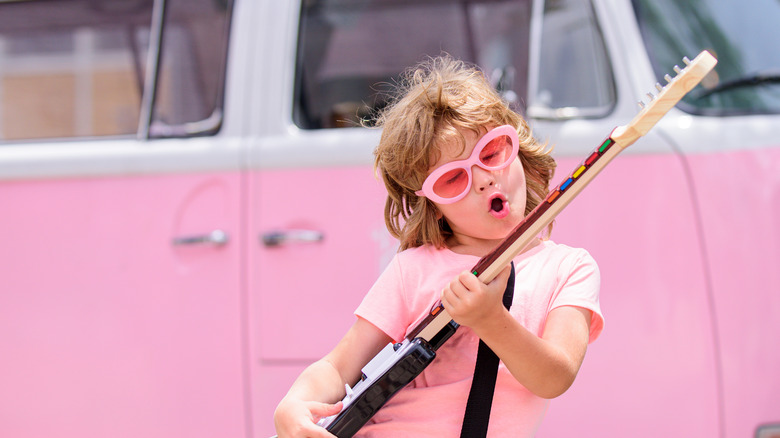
451, 182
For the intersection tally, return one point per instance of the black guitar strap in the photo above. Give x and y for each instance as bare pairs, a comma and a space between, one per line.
475, 421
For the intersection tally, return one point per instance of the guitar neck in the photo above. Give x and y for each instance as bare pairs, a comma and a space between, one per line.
621, 137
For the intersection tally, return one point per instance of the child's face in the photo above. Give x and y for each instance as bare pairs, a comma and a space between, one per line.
493, 205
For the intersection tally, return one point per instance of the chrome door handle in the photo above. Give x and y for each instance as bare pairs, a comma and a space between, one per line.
216, 238
281, 237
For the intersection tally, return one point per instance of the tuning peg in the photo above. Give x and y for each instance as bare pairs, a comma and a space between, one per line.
650, 96
668, 78
641, 104
659, 87
686, 60
677, 69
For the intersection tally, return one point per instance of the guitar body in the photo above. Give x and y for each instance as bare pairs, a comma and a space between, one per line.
363, 404
387, 373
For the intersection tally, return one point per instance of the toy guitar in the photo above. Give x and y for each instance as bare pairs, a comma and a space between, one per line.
398, 364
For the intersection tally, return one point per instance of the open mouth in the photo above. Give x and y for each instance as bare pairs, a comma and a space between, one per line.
499, 207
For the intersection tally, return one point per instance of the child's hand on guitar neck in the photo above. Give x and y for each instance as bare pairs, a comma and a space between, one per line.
474, 304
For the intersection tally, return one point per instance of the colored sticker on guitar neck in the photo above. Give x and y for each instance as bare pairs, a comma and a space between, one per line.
607, 143
592, 158
553, 196
580, 170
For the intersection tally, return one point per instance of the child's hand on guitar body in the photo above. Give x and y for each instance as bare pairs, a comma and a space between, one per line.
297, 418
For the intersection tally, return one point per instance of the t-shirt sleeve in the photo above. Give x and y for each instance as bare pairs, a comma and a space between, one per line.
580, 283
385, 304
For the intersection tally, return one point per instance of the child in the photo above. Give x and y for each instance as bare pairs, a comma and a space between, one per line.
461, 171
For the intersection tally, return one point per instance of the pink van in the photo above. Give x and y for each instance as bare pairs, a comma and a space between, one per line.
188, 213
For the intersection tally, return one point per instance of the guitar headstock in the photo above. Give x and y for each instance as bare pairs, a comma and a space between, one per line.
666, 98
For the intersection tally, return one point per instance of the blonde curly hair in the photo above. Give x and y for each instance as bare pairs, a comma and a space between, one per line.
432, 101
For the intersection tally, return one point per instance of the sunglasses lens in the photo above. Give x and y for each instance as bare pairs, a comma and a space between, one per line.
497, 152
451, 184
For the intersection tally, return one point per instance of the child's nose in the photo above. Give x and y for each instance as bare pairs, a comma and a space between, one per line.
483, 179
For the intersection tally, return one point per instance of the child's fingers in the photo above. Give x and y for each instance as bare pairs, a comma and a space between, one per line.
471, 282
445, 298
321, 410
454, 291
468, 281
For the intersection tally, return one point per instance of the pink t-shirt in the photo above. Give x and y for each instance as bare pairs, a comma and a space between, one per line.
549, 275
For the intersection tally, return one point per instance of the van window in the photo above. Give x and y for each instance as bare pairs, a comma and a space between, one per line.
742, 36
78, 68
349, 50
191, 77
575, 76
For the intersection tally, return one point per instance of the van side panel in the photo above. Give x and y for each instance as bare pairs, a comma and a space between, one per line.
108, 328
739, 196
653, 371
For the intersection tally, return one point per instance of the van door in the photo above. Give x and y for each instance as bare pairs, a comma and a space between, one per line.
120, 199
